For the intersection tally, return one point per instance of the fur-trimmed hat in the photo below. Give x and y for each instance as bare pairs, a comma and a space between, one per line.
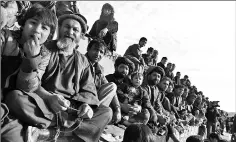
80, 18
126, 61
157, 69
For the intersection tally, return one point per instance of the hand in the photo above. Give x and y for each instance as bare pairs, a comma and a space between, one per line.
136, 108
103, 32
32, 47
125, 107
85, 111
116, 117
58, 103
162, 120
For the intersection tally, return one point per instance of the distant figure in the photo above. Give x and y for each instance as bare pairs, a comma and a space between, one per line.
194, 138
106, 27
134, 53
138, 133
177, 78
163, 62
66, 7
148, 56
154, 58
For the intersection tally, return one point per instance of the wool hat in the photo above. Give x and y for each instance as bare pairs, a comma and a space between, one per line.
80, 18
157, 69
126, 61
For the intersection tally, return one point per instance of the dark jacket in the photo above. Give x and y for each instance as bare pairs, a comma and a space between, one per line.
111, 37
212, 114
82, 89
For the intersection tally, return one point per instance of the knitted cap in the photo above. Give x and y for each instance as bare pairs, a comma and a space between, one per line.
80, 18
157, 69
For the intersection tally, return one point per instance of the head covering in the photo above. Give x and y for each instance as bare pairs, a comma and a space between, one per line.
80, 18
126, 61
157, 69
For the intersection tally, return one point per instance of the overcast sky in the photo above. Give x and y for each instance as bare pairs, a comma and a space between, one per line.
198, 36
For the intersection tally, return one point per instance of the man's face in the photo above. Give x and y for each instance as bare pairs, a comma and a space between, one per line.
33, 28
164, 85
123, 69
179, 91
173, 67
178, 74
142, 43
95, 53
149, 53
170, 88
71, 29
169, 65
106, 11
154, 78
137, 80
185, 94
191, 99
164, 61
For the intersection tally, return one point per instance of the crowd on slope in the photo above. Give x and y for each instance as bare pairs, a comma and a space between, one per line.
50, 89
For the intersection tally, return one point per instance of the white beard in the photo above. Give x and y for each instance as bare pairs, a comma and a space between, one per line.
66, 44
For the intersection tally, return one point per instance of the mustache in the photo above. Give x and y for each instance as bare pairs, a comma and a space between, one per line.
65, 43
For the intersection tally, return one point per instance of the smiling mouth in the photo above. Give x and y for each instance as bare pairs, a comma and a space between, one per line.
70, 38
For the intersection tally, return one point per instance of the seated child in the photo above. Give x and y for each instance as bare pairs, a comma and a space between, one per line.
134, 101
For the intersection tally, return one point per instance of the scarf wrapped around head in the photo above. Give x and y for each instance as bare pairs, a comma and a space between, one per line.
125, 61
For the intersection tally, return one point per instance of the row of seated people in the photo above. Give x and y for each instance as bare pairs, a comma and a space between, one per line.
51, 87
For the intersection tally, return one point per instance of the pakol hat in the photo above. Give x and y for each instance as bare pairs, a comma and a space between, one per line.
76, 16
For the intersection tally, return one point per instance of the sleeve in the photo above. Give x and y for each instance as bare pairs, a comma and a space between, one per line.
153, 116
93, 31
31, 71
3, 40
103, 78
122, 92
113, 27
157, 105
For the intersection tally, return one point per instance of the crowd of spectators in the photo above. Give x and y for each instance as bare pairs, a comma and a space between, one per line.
51, 87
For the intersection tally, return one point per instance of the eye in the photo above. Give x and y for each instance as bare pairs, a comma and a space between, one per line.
45, 28
32, 22
76, 29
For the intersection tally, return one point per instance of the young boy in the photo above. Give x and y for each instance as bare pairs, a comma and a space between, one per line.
24, 51
136, 98
19, 50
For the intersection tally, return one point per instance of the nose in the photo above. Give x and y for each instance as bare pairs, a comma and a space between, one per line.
70, 31
38, 28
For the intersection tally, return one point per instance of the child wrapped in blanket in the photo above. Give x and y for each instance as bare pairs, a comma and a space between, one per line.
135, 103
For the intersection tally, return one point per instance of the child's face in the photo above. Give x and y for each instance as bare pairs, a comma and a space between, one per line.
34, 27
137, 80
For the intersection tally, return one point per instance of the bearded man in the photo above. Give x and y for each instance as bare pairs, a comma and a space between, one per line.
67, 99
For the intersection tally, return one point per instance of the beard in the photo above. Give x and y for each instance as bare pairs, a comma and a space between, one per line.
120, 75
153, 81
66, 44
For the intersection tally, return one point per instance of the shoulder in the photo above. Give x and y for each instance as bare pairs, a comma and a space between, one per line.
101, 68
51, 45
44, 51
110, 77
82, 59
